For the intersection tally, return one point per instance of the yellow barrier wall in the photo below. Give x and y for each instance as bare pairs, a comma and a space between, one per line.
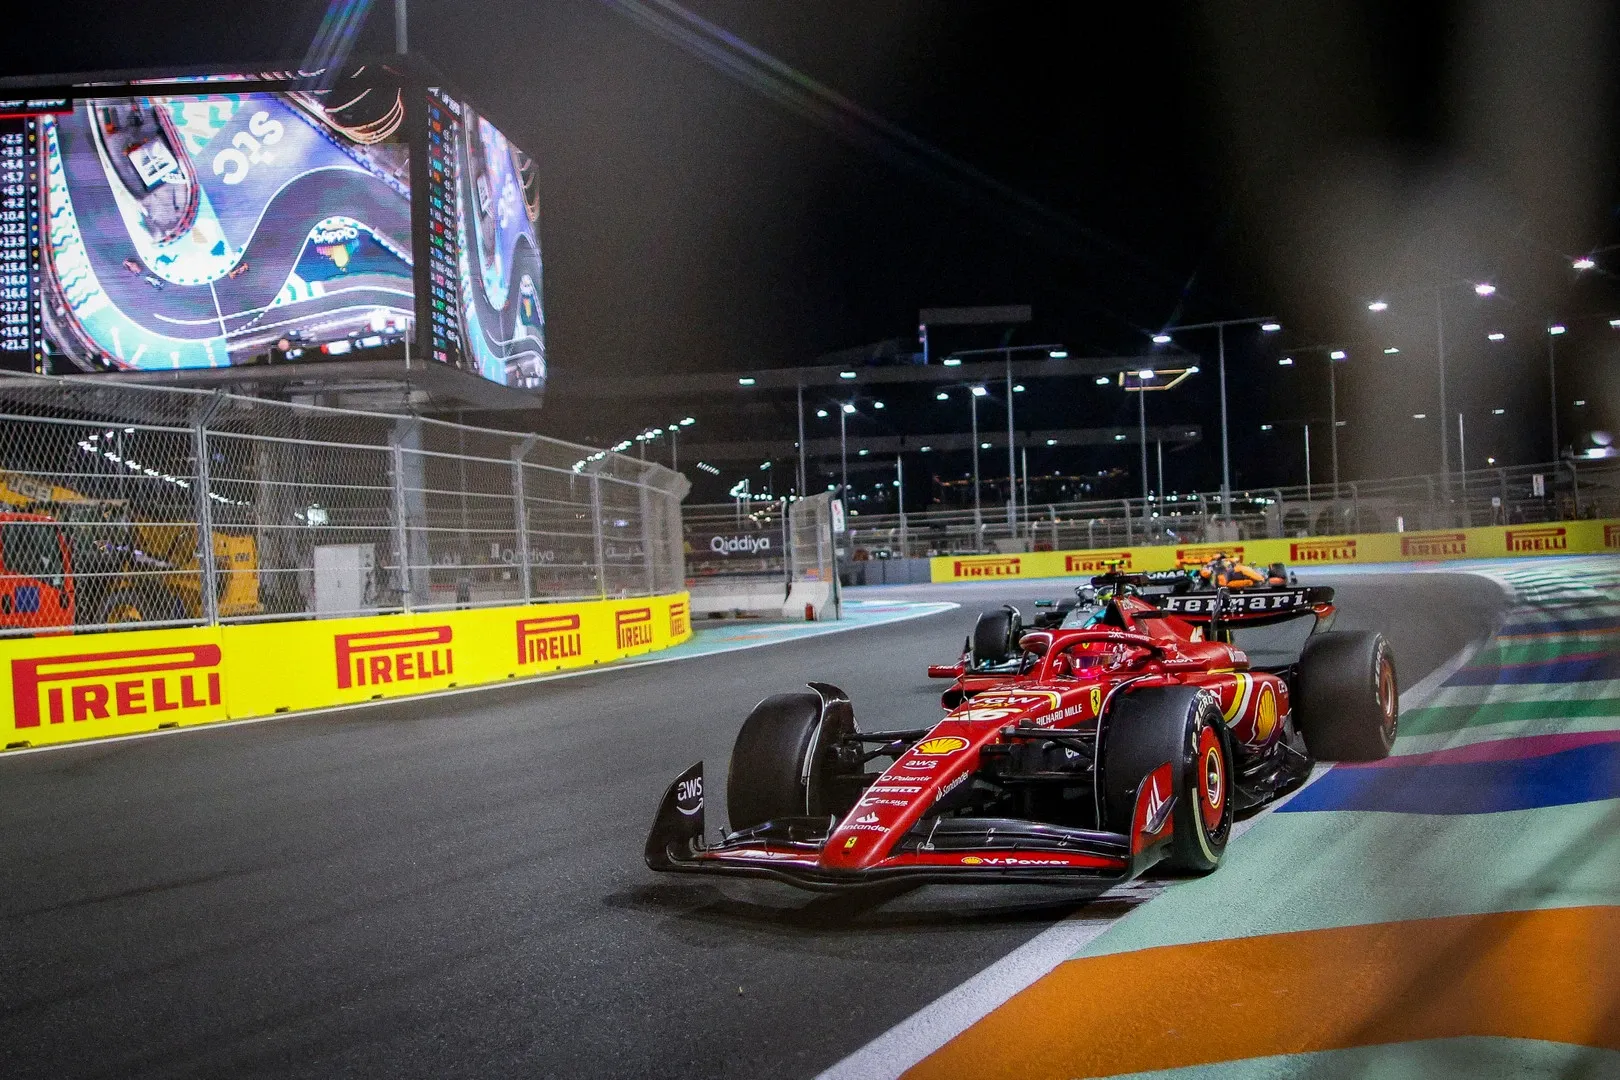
1557, 538
67, 688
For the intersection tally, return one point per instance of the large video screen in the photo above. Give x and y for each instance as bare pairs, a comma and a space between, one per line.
217, 229
484, 248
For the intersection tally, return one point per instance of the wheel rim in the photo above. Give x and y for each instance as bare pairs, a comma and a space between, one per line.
1387, 696
1211, 782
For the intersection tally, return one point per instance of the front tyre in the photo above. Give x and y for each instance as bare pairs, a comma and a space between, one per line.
1182, 726
1347, 697
784, 762
995, 636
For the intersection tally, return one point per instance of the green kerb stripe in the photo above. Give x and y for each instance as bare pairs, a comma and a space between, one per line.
1443, 718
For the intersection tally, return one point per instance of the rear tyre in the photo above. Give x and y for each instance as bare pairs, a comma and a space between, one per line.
783, 763
995, 636
1180, 725
1348, 700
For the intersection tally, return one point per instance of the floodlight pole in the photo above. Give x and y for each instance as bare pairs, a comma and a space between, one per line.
1012, 461
802, 478
1141, 419
401, 46
1226, 456
978, 518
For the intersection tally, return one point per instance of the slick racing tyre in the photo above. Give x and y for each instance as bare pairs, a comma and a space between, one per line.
1180, 725
995, 636
1346, 700
783, 763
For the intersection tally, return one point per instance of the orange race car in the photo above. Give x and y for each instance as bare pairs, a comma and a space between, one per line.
1223, 571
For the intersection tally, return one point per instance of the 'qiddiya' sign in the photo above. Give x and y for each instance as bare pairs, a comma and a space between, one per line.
740, 545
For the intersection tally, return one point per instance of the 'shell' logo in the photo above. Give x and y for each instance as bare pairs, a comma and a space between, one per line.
1096, 563
988, 568
96, 686
1322, 551
679, 621
1547, 538
634, 627
1611, 536
390, 656
1430, 545
1201, 555
553, 637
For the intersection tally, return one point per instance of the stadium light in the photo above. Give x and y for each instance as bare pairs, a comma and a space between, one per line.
849, 407
846, 374
942, 396
1338, 354
1555, 329
689, 421
1265, 427
1058, 354
1585, 262
953, 361
1391, 351
821, 414
1495, 335
1103, 380
1161, 339
877, 404
1378, 305
745, 381
1270, 327
979, 391
1051, 442
1484, 288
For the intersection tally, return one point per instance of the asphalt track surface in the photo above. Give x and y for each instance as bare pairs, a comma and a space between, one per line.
455, 887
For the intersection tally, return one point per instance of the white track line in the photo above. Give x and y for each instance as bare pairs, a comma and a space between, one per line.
934, 1025
600, 669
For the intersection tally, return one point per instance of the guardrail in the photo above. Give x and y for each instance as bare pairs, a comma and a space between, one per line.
127, 504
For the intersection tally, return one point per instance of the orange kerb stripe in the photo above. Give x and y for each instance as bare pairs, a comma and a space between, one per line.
1548, 975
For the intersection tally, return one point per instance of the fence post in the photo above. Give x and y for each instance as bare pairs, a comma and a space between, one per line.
596, 534
401, 531
521, 509
208, 570
646, 533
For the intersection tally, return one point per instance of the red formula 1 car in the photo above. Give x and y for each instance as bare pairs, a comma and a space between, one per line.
1133, 733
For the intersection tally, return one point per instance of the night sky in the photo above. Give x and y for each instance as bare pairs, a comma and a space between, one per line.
1117, 170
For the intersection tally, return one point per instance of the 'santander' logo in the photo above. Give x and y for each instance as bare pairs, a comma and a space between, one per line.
96, 686
634, 627
390, 656
1431, 545
679, 620
1546, 538
988, 568
1201, 555
552, 637
1306, 551
1092, 563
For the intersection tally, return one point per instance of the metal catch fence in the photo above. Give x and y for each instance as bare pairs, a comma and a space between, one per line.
1508, 496
127, 504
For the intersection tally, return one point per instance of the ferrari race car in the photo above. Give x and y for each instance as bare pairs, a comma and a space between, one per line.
1134, 737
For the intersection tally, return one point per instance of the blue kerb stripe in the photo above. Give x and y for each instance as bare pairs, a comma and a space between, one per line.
1584, 774
1565, 670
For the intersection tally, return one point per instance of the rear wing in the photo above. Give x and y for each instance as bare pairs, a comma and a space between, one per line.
1250, 607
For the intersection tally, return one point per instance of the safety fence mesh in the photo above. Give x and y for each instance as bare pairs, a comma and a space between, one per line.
132, 504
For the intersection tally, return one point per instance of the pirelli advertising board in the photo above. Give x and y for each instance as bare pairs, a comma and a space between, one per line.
1494, 542
62, 689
